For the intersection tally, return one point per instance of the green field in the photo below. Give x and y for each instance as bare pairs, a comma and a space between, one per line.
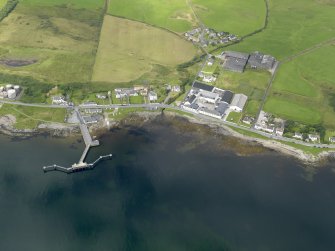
61, 36
293, 26
2, 3
174, 15
129, 49
309, 83
239, 17
31, 117
251, 83
292, 110
234, 117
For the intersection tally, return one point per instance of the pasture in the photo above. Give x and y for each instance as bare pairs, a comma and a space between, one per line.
129, 49
293, 26
2, 3
251, 83
31, 117
238, 17
307, 81
292, 110
174, 15
61, 36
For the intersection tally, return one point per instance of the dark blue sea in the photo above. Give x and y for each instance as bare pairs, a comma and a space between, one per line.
168, 187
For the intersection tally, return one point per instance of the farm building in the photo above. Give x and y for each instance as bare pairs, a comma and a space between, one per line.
238, 102
234, 61
201, 86
258, 60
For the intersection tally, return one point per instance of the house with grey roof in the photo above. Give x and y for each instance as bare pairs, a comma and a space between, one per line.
238, 102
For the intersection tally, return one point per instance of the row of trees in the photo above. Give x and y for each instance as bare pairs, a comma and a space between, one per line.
9, 6
291, 127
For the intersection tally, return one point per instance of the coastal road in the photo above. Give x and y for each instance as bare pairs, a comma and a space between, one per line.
176, 108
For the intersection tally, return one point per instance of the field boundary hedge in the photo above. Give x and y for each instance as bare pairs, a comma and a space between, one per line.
8, 8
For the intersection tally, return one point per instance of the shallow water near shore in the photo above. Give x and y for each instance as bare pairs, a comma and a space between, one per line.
169, 186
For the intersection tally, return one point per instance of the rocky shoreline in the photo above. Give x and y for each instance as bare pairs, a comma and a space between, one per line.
140, 118
53, 129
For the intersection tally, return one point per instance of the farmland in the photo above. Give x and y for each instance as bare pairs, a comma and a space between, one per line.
129, 49
2, 3
306, 82
174, 15
60, 37
251, 83
177, 15
238, 17
293, 26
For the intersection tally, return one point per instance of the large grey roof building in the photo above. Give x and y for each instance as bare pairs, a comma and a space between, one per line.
258, 60
235, 54
238, 102
202, 86
235, 61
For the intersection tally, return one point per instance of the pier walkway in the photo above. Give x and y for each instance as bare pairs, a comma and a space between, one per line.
89, 142
76, 167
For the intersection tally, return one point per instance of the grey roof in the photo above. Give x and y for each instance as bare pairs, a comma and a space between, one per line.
210, 95
194, 106
227, 97
214, 112
239, 100
259, 60
235, 54
222, 108
202, 86
235, 64
191, 99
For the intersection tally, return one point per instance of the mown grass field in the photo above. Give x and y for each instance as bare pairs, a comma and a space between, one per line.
61, 35
129, 49
174, 15
304, 88
293, 26
238, 17
31, 117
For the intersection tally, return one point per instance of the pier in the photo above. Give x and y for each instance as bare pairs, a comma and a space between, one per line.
77, 167
89, 142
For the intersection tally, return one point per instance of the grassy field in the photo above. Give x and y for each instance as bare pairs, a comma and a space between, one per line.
293, 26
234, 117
251, 83
174, 15
62, 36
304, 88
238, 17
129, 49
292, 110
2, 3
31, 117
